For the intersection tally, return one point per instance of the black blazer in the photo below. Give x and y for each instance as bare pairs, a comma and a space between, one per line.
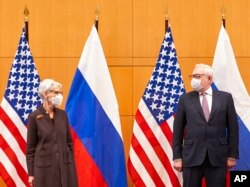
194, 137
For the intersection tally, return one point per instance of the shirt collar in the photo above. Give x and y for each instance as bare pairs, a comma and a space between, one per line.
209, 92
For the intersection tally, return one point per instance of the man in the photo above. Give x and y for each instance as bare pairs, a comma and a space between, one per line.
205, 134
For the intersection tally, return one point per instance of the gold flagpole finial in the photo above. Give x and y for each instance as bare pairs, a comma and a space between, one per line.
97, 11
166, 10
26, 13
223, 14
166, 16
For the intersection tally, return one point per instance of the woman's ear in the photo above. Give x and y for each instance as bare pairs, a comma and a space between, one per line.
45, 95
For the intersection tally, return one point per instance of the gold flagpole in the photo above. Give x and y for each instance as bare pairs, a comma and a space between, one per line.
26, 21
223, 14
166, 16
97, 15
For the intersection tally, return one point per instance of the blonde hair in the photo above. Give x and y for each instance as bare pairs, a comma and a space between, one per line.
48, 85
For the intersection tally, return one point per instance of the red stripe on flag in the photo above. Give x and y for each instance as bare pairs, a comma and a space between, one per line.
134, 175
6, 177
13, 130
88, 172
228, 179
13, 159
157, 147
146, 162
167, 132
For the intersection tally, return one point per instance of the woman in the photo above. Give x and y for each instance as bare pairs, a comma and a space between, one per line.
50, 158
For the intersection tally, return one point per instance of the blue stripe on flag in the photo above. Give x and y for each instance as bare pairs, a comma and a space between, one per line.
96, 131
244, 144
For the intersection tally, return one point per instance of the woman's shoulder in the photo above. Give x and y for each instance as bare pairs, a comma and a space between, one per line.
60, 111
37, 112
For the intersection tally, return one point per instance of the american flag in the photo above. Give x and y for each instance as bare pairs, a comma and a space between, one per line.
150, 156
19, 100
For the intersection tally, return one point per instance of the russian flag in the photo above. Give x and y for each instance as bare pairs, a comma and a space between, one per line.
93, 113
227, 78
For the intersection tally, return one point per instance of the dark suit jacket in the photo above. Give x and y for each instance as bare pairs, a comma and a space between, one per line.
50, 156
194, 137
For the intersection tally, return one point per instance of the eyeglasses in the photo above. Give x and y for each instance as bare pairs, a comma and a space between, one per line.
55, 92
197, 76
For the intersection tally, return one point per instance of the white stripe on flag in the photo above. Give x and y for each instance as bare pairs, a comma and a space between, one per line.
170, 122
10, 169
139, 167
150, 152
97, 65
10, 139
227, 76
159, 135
14, 118
156, 129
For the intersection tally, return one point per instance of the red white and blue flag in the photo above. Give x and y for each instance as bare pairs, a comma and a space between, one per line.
150, 157
227, 78
93, 113
20, 99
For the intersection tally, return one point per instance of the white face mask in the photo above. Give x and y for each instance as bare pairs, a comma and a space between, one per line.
196, 84
57, 100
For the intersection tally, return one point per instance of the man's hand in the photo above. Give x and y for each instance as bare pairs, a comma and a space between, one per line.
178, 165
231, 163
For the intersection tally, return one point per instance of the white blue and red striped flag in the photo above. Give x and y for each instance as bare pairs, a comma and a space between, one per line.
94, 117
227, 78
19, 100
150, 157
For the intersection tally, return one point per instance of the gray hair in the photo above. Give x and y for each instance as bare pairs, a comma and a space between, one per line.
208, 70
48, 85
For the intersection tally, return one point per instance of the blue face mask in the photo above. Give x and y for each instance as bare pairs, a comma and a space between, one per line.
196, 84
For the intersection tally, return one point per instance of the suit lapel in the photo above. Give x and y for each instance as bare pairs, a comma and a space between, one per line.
197, 104
215, 104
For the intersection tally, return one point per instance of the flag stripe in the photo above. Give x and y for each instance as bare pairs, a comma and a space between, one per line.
13, 144
165, 127
12, 115
85, 164
164, 160
11, 169
244, 143
175, 176
147, 163
156, 129
6, 177
14, 159
138, 172
10, 128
